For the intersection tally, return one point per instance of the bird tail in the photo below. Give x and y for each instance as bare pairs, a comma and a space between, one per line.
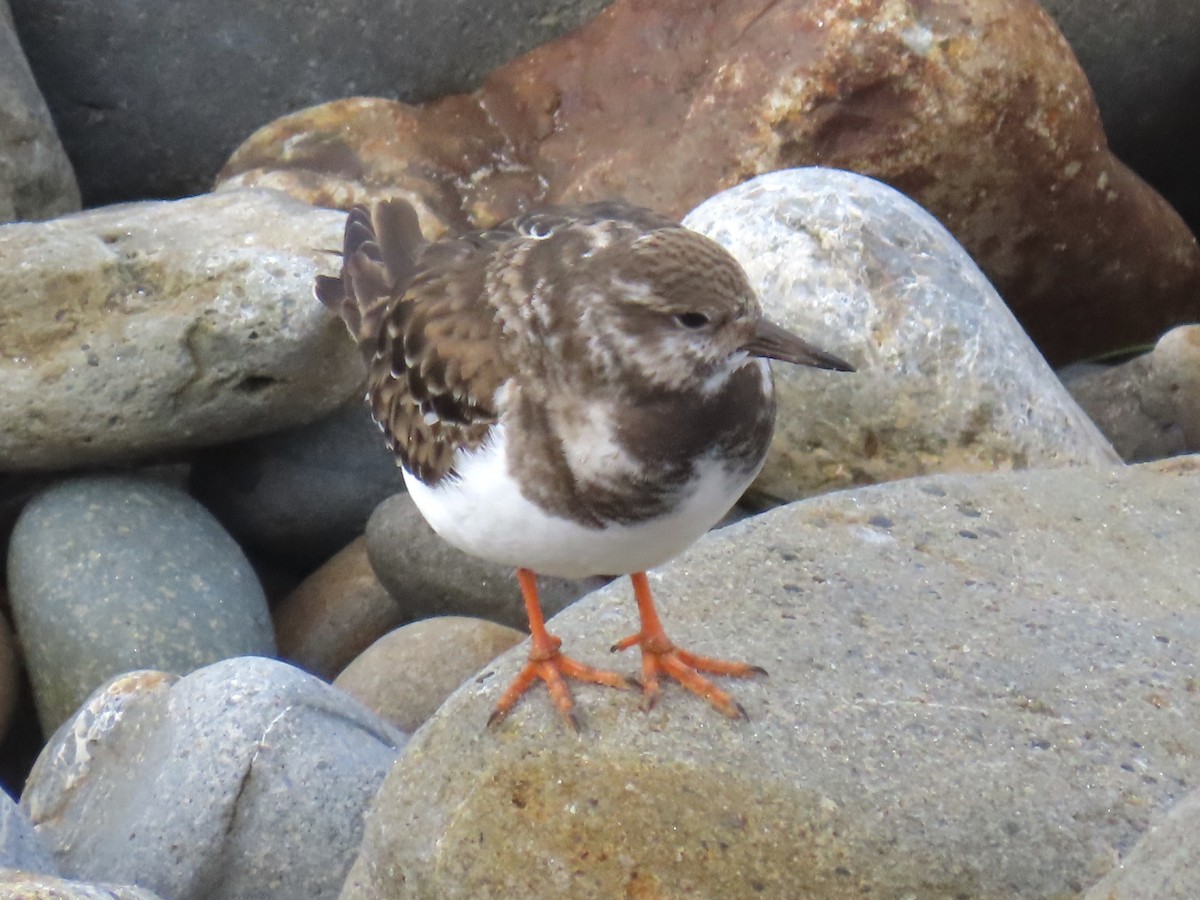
379, 259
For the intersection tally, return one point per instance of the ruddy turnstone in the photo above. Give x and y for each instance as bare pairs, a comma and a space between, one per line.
575, 392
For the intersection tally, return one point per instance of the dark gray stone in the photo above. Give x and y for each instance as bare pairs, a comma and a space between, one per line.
301, 494
1140, 58
36, 181
20, 847
150, 98
109, 574
246, 780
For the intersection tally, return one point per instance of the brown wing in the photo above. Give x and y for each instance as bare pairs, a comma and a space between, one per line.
430, 340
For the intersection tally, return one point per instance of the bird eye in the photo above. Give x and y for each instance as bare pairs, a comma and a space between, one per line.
692, 320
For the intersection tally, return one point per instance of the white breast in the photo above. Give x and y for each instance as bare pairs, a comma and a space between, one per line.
482, 512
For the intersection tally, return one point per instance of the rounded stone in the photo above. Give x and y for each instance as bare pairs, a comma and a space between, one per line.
110, 574
36, 180
335, 614
947, 379
1140, 60
429, 577
980, 686
245, 779
407, 674
136, 330
302, 494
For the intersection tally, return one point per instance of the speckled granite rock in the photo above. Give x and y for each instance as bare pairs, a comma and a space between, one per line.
246, 779
1163, 865
980, 686
143, 328
36, 181
947, 379
109, 574
408, 673
428, 577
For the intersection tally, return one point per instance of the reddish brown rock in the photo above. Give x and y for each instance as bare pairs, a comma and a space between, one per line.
334, 614
978, 110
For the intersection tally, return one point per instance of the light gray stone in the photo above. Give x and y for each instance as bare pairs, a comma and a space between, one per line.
109, 574
138, 329
1149, 407
947, 380
36, 181
428, 577
20, 847
247, 779
980, 686
1163, 865
303, 494
151, 102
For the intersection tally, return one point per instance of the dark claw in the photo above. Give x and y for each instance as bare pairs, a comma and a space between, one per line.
573, 721
759, 670
742, 714
634, 684
496, 718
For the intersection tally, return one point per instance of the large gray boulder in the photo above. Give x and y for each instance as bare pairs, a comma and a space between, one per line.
150, 327
980, 686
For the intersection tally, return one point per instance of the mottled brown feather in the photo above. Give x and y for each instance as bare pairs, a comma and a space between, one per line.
433, 365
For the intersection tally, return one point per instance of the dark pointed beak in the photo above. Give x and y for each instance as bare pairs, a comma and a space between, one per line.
770, 341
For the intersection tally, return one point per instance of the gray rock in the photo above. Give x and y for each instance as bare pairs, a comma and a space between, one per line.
10, 671
301, 494
980, 686
1163, 865
109, 574
335, 614
36, 181
20, 847
947, 379
246, 779
429, 577
155, 326
1149, 407
408, 673
19, 885
1140, 59
151, 101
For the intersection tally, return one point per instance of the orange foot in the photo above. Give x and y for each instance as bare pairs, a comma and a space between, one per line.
547, 664
661, 657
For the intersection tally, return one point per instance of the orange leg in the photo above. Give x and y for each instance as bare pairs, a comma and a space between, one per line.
546, 663
661, 657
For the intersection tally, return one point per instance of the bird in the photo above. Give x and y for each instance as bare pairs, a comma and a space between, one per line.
575, 391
